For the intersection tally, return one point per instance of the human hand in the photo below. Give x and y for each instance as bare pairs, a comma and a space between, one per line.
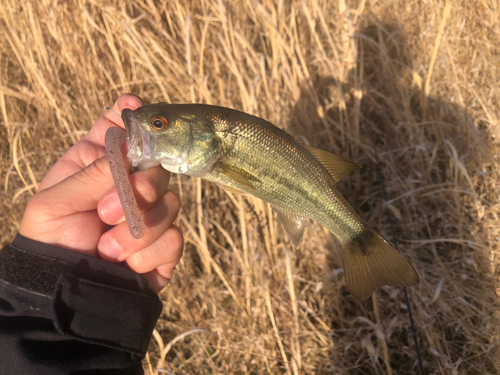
77, 203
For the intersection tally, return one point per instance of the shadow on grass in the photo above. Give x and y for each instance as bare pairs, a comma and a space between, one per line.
435, 161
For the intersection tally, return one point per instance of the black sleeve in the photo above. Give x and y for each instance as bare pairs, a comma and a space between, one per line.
62, 312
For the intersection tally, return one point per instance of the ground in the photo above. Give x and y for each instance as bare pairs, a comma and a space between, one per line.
408, 90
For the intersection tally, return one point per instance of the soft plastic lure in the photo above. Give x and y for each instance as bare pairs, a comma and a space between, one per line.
113, 140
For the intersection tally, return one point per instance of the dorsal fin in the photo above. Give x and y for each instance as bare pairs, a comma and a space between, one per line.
336, 165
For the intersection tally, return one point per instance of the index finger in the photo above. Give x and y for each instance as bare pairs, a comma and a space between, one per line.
96, 134
91, 147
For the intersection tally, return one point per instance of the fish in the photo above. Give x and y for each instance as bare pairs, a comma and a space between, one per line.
248, 155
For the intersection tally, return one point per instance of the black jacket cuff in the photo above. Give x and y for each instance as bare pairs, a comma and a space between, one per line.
87, 300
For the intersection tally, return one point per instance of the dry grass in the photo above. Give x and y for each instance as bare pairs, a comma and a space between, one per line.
417, 79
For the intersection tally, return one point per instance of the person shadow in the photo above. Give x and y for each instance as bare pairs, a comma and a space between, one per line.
435, 161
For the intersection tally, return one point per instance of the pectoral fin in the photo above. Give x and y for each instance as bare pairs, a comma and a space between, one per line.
233, 190
336, 165
293, 224
232, 175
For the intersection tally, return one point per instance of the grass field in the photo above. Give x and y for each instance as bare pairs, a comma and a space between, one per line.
415, 83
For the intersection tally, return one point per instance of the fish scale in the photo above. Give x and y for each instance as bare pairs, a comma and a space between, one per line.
246, 154
315, 196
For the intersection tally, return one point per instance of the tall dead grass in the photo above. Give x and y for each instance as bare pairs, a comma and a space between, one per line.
417, 80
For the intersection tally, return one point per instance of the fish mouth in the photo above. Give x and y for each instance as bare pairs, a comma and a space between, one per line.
139, 143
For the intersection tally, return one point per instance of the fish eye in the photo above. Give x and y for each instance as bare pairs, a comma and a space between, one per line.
159, 122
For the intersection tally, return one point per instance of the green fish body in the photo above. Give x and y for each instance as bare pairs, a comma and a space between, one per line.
246, 154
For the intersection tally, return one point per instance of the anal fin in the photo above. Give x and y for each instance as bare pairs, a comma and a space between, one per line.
293, 224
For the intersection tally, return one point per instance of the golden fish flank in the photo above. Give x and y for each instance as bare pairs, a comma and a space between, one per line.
248, 155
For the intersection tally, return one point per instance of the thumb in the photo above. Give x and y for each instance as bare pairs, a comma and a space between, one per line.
81, 191
65, 214
77, 193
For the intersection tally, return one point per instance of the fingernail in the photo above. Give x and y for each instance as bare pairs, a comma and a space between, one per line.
138, 99
111, 210
109, 248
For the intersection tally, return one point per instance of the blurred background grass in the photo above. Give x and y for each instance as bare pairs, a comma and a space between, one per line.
417, 80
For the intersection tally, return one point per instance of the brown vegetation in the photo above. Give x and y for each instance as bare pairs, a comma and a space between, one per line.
417, 80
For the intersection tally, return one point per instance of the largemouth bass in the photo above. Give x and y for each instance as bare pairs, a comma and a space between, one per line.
248, 155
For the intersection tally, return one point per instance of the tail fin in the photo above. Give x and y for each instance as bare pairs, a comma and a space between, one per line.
370, 262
